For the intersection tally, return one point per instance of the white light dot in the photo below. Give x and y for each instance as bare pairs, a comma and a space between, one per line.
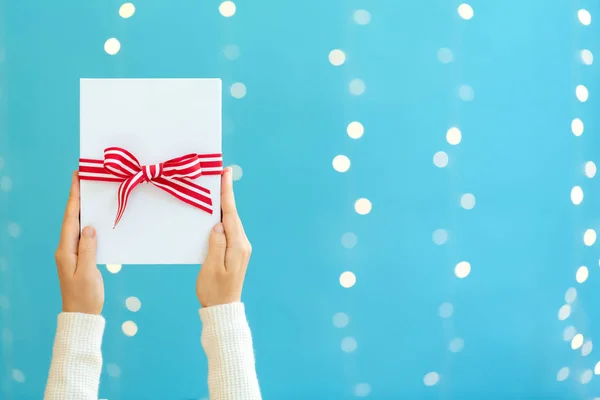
571, 295
14, 230
349, 240
453, 136
446, 310
231, 52
357, 87
569, 333
227, 8
586, 376
440, 159
133, 304
576, 195
462, 269
465, 11
589, 237
362, 390
238, 90
597, 368
127, 10
362, 17
577, 127
587, 57
341, 163
456, 345
18, 375
113, 370
563, 374
582, 274
341, 320
112, 46
348, 344
129, 328
584, 16
363, 206
431, 378
467, 201
582, 93
347, 279
444, 55
590, 169
466, 93
440, 236
564, 312
586, 349
236, 172
337, 57
577, 341
355, 130
113, 268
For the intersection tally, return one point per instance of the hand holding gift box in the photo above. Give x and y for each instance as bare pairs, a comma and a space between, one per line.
165, 133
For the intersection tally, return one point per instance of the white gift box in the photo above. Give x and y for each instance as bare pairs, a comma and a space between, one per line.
156, 120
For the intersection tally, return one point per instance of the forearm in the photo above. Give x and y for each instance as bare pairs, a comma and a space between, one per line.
76, 358
227, 341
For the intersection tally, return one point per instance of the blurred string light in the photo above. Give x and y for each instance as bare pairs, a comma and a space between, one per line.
576, 195
355, 130
112, 46
127, 10
586, 56
337, 57
465, 11
590, 169
570, 334
227, 9
113, 268
341, 163
236, 172
440, 159
467, 200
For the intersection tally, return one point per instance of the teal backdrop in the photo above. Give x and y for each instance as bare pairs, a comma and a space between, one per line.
408, 327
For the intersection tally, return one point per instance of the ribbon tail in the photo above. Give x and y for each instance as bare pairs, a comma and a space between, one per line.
123, 194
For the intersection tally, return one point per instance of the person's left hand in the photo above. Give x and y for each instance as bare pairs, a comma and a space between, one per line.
81, 282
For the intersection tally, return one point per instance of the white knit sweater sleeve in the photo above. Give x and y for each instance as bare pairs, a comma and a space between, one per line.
227, 341
76, 358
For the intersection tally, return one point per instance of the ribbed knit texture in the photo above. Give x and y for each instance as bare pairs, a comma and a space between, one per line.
227, 341
226, 338
76, 358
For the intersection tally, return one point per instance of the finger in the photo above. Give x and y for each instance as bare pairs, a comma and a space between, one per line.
231, 221
86, 258
227, 197
217, 246
66, 253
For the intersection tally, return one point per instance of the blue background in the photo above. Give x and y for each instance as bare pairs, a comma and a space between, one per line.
517, 156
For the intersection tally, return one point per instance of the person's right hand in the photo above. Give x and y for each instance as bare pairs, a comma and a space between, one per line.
81, 282
221, 276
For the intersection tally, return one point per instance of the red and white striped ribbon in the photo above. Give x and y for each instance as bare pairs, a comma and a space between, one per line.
173, 176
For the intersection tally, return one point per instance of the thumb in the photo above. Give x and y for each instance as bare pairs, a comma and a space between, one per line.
86, 257
217, 245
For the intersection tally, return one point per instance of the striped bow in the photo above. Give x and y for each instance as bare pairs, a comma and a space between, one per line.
173, 176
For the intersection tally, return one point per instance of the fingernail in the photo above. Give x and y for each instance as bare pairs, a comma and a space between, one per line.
218, 228
74, 177
88, 232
